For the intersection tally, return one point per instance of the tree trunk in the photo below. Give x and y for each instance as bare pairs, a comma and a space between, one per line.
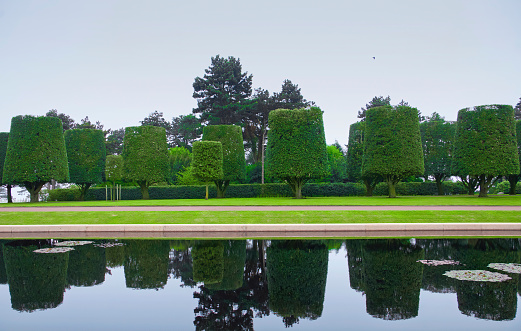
206, 196
391, 184
34, 189
144, 190
513, 179
296, 185
9, 195
368, 188
83, 190
222, 185
439, 185
484, 184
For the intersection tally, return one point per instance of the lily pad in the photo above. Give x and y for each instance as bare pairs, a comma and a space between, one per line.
477, 275
109, 245
435, 263
72, 243
513, 268
53, 250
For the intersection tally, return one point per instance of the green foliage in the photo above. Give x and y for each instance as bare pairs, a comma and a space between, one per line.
234, 257
86, 155
337, 165
487, 300
297, 274
185, 130
4, 137
208, 261
87, 266
234, 163
485, 145
392, 278
230, 137
115, 256
375, 102
146, 263
180, 158
221, 91
35, 153
114, 168
437, 142
186, 177
296, 149
145, 156
114, 142
36, 281
392, 144
207, 160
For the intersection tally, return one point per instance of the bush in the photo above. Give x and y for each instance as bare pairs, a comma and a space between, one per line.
504, 187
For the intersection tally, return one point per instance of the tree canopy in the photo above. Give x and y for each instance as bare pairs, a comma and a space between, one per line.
86, 157
221, 91
485, 145
437, 142
145, 156
35, 153
392, 144
234, 163
296, 149
207, 161
375, 102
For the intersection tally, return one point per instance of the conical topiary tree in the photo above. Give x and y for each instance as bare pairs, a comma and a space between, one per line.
145, 156
35, 154
296, 149
392, 144
207, 161
234, 164
86, 155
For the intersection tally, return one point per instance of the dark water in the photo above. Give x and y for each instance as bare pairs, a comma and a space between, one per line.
339, 284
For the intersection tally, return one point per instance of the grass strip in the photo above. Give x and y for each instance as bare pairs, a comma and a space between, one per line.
447, 200
255, 217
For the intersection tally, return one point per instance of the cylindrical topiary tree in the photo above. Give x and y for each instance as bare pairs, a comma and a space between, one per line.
392, 144
145, 156
208, 261
4, 138
234, 164
437, 142
86, 155
146, 263
35, 154
296, 150
297, 275
234, 257
485, 145
207, 161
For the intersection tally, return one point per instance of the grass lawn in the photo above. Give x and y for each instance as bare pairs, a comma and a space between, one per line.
258, 217
452, 200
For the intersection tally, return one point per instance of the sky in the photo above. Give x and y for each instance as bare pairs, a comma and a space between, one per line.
118, 61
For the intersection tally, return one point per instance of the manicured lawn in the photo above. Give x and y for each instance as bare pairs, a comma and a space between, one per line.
454, 200
259, 217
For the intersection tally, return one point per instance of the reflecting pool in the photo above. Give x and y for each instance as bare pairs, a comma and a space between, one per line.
362, 284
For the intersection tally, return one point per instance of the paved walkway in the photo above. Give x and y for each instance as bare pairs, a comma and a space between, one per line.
251, 208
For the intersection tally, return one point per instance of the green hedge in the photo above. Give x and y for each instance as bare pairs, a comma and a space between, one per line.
259, 190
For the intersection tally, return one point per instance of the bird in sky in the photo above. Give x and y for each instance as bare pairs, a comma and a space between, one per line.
374, 58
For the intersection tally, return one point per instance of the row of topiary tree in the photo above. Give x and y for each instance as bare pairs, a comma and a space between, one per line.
391, 144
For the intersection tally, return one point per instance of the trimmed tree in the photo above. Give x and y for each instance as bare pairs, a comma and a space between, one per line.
207, 161
234, 164
513, 179
485, 145
296, 149
437, 142
145, 156
35, 153
355, 152
392, 144
86, 155
4, 137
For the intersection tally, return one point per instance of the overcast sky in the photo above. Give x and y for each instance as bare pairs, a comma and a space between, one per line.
118, 61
